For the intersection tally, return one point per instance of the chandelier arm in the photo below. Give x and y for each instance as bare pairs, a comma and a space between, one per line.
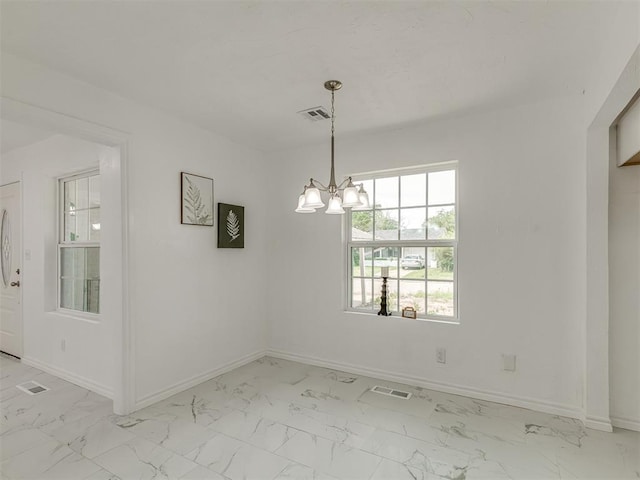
344, 183
322, 187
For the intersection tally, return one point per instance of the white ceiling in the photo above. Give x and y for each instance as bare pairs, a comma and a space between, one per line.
16, 135
243, 69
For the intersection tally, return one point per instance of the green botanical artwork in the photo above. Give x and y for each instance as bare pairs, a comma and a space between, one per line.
197, 200
230, 226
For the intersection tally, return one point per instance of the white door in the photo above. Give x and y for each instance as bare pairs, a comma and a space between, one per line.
10, 296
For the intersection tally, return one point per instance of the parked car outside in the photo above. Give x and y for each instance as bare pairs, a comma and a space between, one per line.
412, 261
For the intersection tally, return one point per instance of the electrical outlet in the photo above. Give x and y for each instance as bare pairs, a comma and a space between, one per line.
63, 345
441, 355
508, 362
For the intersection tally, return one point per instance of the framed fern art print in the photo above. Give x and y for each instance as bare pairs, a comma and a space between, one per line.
196, 193
230, 226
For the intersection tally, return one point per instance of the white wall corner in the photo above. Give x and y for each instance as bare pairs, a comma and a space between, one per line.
196, 380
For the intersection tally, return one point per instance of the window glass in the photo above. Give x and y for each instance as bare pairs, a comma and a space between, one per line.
386, 224
442, 187
79, 244
441, 223
414, 190
411, 232
386, 192
413, 223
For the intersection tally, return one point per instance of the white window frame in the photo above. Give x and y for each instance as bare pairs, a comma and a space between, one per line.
61, 243
349, 243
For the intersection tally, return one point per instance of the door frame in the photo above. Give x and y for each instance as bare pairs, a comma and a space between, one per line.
123, 347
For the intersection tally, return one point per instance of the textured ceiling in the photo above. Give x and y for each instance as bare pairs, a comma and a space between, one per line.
243, 69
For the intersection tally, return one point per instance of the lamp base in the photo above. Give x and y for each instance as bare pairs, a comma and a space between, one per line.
383, 299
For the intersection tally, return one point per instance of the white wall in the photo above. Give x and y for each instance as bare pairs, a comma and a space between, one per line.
194, 308
88, 354
521, 257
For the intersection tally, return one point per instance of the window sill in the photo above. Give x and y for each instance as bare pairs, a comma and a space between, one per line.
73, 315
397, 316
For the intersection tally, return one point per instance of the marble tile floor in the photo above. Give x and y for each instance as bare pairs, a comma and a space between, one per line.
275, 419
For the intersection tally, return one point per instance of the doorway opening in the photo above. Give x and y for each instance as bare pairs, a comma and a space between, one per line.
70, 249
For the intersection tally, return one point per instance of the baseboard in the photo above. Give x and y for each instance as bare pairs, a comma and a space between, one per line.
498, 397
626, 423
69, 377
196, 380
597, 423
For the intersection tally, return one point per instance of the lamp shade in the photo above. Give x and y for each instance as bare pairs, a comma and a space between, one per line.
335, 206
350, 197
302, 209
364, 200
312, 198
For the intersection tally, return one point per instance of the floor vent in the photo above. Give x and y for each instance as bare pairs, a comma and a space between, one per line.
316, 113
391, 392
32, 388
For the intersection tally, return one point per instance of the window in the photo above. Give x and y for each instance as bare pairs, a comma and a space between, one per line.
412, 229
79, 243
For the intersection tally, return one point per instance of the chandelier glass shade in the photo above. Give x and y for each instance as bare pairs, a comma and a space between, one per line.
346, 194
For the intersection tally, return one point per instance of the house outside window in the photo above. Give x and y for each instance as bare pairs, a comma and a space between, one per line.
79, 243
411, 229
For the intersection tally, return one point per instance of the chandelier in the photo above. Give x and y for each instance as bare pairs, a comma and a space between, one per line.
345, 195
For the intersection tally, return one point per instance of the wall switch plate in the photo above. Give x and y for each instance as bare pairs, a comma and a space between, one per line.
441, 355
509, 362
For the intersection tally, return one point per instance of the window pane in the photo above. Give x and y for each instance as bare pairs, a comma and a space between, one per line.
442, 187
386, 257
386, 227
440, 263
361, 293
441, 222
76, 194
76, 226
70, 226
361, 262
362, 225
72, 294
413, 262
70, 194
386, 192
94, 191
80, 262
413, 190
92, 259
80, 295
440, 299
413, 223
80, 282
94, 225
412, 295
392, 294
